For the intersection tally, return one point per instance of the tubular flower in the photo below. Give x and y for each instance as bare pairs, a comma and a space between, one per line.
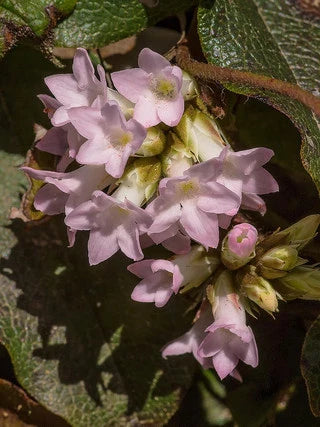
113, 225
82, 88
229, 339
191, 203
154, 88
111, 140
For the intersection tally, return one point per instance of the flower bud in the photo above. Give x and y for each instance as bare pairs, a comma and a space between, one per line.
278, 261
298, 234
139, 181
197, 265
153, 144
200, 134
176, 158
258, 289
189, 86
302, 282
238, 247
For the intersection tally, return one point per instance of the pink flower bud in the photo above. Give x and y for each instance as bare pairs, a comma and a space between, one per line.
238, 246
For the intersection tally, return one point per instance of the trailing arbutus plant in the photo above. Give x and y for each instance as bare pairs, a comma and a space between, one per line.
184, 253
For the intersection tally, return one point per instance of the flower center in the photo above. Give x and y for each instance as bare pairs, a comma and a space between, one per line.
189, 188
242, 236
121, 138
164, 88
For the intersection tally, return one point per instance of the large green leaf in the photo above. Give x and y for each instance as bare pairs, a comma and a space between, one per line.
29, 18
310, 365
97, 23
77, 342
273, 38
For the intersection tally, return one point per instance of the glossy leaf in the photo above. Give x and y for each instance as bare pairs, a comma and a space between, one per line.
29, 18
98, 23
278, 39
310, 365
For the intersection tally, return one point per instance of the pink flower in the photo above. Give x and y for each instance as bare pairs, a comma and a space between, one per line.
113, 225
65, 191
63, 141
154, 88
81, 88
190, 341
191, 204
229, 339
111, 140
161, 278
242, 173
242, 240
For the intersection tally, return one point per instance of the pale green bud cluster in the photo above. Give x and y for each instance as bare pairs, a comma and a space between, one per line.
302, 282
139, 181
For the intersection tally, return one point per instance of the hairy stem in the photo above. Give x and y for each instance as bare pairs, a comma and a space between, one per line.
229, 75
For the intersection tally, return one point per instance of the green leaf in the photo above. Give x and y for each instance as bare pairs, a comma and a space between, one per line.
310, 365
29, 18
273, 39
98, 23
78, 343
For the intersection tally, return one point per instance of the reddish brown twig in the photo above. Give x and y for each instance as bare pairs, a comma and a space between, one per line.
229, 75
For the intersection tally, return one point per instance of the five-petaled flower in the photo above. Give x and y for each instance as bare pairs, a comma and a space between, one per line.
154, 88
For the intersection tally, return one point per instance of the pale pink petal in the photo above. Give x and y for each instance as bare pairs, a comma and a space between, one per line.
83, 69
65, 88
224, 363
88, 121
253, 202
162, 296
131, 83
54, 142
93, 152
145, 112
170, 111
164, 215
101, 246
249, 160
50, 200
141, 268
219, 200
200, 226
83, 217
128, 241
71, 236
260, 181
51, 104
178, 244
151, 62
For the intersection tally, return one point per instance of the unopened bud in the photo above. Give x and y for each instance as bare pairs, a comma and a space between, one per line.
302, 282
278, 261
258, 289
197, 265
238, 247
153, 144
176, 158
200, 134
189, 86
298, 234
139, 181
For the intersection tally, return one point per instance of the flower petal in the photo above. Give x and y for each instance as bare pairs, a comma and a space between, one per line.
260, 181
131, 83
101, 246
170, 112
200, 226
152, 62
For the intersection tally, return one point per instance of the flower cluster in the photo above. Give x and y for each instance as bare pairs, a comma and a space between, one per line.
143, 165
